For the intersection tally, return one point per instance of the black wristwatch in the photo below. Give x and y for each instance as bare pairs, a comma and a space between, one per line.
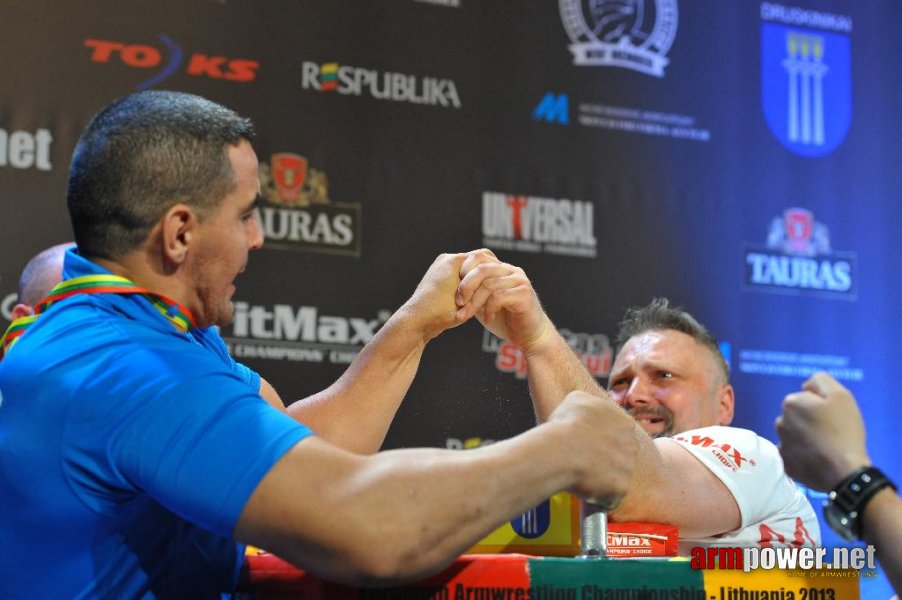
846, 502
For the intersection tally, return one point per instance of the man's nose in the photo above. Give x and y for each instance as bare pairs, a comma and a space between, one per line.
255, 237
638, 393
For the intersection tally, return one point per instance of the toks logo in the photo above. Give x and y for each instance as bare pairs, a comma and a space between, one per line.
299, 215
593, 350
798, 259
142, 56
395, 87
532, 224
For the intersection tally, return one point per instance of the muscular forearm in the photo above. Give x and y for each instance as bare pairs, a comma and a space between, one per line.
400, 514
669, 485
554, 370
882, 527
356, 411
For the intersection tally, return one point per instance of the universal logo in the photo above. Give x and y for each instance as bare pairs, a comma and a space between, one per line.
540, 225
797, 259
634, 35
299, 214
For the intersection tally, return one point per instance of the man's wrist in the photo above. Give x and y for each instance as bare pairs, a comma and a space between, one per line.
849, 498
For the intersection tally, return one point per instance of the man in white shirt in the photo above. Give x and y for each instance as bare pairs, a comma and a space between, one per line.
723, 486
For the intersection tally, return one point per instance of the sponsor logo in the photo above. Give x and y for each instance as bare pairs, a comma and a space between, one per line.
806, 80
788, 558
303, 333
467, 444
725, 453
798, 260
534, 522
635, 35
25, 150
538, 225
556, 108
593, 350
448, 3
298, 214
553, 109
390, 86
797, 364
169, 58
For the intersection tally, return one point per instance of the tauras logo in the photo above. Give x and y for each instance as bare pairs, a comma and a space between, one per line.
396, 87
798, 259
298, 214
535, 224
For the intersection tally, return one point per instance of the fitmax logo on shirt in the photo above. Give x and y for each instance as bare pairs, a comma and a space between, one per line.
25, 150
725, 453
396, 87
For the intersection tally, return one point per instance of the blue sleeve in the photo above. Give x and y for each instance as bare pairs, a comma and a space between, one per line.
210, 339
191, 435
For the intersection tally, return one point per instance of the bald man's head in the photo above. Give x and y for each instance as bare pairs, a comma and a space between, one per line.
39, 276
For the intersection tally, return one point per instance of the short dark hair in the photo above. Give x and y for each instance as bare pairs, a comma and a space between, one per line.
143, 154
659, 315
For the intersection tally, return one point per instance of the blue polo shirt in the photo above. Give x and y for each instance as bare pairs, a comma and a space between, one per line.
127, 452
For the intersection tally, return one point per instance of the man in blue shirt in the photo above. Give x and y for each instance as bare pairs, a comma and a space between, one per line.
132, 459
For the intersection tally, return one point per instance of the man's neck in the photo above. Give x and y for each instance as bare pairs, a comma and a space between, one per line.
150, 274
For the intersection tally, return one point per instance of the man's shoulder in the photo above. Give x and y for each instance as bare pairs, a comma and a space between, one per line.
718, 433
739, 447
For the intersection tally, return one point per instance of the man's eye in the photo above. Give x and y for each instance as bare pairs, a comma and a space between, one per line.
665, 374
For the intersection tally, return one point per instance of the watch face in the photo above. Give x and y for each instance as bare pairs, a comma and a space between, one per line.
839, 522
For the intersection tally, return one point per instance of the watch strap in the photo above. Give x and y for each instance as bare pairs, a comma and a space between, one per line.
852, 494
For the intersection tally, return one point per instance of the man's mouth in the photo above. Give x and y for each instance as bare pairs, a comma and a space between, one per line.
658, 423
643, 421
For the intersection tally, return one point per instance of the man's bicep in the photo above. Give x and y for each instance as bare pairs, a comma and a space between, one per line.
705, 505
293, 510
670, 485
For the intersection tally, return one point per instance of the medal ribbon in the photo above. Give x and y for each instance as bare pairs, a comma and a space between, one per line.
180, 317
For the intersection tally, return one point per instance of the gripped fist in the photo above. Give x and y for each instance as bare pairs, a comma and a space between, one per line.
602, 440
433, 306
822, 437
502, 298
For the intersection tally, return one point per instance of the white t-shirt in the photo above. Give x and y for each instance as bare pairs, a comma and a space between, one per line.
773, 511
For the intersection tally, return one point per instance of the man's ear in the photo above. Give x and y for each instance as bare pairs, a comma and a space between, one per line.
178, 227
726, 404
22, 310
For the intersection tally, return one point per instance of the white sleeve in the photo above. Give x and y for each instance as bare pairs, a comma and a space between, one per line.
749, 465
